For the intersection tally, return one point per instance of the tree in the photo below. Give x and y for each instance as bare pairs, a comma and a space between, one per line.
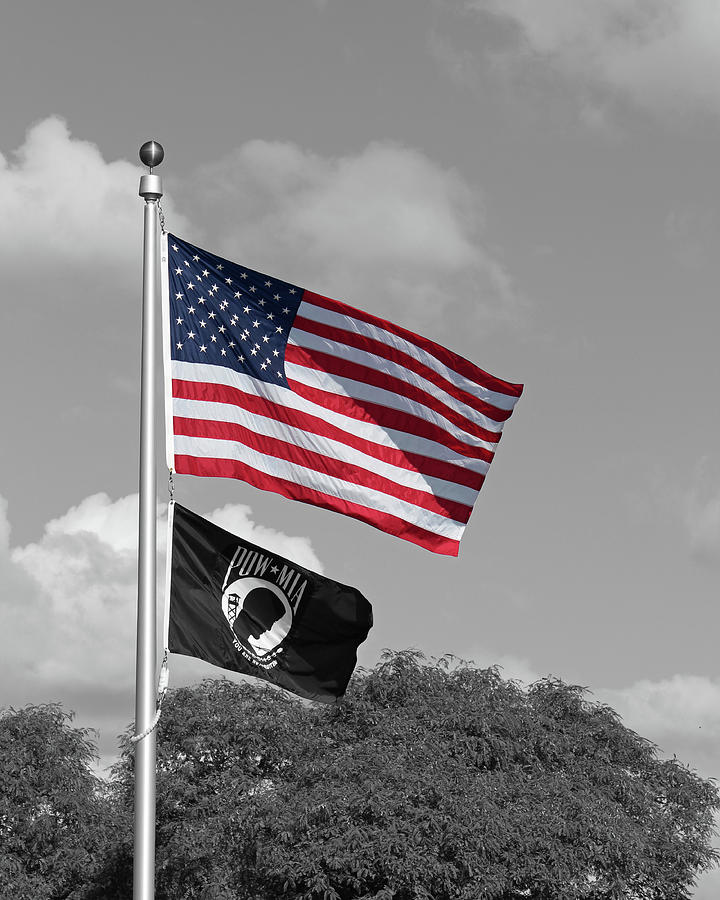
52, 811
428, 781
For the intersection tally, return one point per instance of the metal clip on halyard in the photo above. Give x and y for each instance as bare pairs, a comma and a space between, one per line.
163, 681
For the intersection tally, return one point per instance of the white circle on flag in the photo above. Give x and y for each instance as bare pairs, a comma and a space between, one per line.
258, 613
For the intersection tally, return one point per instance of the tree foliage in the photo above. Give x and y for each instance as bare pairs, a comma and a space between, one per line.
430, 780
52, 809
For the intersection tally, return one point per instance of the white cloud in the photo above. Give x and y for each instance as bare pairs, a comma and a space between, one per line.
700, 512
236, 518
680, 706
383, 228
62, 201
67, 620
386, 229
694, 506
660, 53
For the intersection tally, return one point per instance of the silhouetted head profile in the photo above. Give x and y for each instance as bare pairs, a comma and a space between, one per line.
261, 609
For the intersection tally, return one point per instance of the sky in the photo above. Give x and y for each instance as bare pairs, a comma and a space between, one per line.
533, 185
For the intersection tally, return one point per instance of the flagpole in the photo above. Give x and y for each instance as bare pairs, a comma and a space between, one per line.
151, 154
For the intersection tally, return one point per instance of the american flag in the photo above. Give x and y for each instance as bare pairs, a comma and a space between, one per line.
308, 397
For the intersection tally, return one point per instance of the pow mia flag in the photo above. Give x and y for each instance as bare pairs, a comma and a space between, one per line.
243, 608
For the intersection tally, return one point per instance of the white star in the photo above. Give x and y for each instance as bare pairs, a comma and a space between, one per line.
179, 321
265, 338
187, 263
276, 353
223, 352
257, 346
175, 247
252, 288
178, 271
276, 297
213, 338
292, 290
262, 303
211, 315
256, 324
205, 272
178, 296
191, 335
220, 267
279, 374
238, 295
246, 309
263, 366
253, 352
201, 300
231, 344
286, 310
243, 275
191, 309
271, 316
278, 330
203, 348
196, 258
241, 359
191, 286
268, 283
179, 345
221, 329
203, 323
228, 281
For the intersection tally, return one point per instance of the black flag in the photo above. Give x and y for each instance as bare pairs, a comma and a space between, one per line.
243, 608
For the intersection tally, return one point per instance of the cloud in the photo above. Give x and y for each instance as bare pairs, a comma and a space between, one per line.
678, 706
701, 517
62, 201
382, 229
386, 228
694, 507
67, 621
659, 53
236, 518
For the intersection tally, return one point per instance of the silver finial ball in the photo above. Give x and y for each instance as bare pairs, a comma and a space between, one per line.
151, 154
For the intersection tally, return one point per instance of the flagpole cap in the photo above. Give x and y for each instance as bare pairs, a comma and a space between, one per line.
151, 154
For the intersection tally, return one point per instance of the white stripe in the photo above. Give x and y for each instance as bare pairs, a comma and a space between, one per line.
312, 342
368, 431
358, 390
262, 425
358, 326
206, 448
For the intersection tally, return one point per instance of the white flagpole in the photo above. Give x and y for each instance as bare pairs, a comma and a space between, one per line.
151, 154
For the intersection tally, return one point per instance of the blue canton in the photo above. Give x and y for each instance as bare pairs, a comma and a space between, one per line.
222, 314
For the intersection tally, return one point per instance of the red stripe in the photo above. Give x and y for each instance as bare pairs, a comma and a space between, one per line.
461, 365
386, 351
326, 465
385, 417
325, 362
417, 462
230, 468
